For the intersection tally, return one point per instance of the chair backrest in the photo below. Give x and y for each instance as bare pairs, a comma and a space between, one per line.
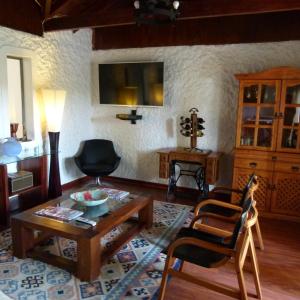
248, 189
97, 151
239, 224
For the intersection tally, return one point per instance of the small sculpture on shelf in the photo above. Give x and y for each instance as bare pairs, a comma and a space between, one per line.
192, 127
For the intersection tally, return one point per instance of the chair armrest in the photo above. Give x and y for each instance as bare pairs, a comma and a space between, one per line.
199, 243
217, 203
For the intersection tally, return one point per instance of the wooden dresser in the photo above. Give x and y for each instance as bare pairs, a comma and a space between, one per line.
268, 140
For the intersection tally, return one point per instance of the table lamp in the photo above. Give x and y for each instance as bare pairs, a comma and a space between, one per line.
54, 101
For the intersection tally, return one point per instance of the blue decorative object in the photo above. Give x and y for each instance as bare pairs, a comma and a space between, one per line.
11, 147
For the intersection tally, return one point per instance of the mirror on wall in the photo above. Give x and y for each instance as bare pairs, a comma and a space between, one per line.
15, 93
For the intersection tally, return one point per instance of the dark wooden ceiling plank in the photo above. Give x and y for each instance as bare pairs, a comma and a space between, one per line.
190, 9
21, 15
48, 5
218, 8
211, 31
76, 8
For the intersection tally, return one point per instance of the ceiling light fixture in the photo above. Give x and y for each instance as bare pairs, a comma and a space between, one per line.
155, 11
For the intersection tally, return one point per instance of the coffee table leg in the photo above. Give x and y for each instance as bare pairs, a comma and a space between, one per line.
22, 239
88, 258
146, 215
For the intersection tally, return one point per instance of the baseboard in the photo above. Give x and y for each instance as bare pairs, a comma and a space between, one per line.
147, 184
75, 183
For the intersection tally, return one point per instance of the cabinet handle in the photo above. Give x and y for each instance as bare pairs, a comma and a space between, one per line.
253, 164
295, 168
276, 115
280, 115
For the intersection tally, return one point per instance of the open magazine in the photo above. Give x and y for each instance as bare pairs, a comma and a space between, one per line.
59, 213
115, 194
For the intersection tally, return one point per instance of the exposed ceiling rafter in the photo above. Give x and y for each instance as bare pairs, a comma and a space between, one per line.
114, 26
77, 14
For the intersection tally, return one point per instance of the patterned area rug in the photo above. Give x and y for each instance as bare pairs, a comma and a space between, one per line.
133, 273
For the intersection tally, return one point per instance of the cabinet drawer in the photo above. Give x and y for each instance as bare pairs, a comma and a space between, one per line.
287, 167
253, 164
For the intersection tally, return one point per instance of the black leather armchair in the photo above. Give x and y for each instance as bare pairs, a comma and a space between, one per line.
97, 158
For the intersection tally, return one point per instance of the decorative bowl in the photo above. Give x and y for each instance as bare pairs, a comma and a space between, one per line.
90, 197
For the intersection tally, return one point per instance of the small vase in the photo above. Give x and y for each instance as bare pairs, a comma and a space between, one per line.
11, 147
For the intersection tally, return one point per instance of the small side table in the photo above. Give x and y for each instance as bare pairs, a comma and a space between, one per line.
28, 197
207, 163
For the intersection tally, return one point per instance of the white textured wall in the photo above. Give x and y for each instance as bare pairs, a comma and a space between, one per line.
62, 60
197, 76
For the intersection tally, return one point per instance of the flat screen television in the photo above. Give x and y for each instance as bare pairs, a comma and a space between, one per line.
132, 84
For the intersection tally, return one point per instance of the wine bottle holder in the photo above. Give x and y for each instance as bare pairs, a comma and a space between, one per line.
192, 127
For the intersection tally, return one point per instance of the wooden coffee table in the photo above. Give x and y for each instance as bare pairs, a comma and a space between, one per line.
90, 255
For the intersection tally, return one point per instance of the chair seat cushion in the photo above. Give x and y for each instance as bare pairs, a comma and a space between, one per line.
222, 196
98, 167
219, 210
197, 255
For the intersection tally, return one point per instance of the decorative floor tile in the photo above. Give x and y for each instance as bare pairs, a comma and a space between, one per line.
128, 256
133, 273
140, 291
91, 289
8, 271
60, 292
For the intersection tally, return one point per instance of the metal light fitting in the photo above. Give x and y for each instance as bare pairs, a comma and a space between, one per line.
155, 11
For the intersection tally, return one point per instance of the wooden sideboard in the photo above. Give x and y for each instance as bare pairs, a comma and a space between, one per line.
25, 198
209, 160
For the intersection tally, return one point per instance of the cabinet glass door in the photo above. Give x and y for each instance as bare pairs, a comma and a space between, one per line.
289, 117
258, 106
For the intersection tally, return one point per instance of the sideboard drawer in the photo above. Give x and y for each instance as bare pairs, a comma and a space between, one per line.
287, 167
254, 164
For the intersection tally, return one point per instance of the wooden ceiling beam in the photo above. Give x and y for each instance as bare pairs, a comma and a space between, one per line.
190, 9
269, 27
220, 8
77, 8
21, 15
48, 8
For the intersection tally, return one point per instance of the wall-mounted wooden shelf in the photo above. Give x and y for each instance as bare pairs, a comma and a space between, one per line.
133, 117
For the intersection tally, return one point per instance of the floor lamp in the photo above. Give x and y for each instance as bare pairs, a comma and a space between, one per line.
54, 101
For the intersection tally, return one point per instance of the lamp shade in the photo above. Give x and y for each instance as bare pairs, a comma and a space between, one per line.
54, 102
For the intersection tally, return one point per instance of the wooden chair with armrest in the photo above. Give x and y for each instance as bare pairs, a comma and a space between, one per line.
217, 205
211, 247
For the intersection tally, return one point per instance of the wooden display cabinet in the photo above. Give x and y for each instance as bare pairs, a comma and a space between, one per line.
25, 198
267, 139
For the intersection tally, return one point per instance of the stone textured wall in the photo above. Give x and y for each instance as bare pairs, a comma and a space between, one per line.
62, 60
197, 76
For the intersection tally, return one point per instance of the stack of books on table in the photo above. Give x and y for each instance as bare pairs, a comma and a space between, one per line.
115, 194
59, 213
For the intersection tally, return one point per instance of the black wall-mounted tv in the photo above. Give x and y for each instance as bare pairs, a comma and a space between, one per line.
132, 84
